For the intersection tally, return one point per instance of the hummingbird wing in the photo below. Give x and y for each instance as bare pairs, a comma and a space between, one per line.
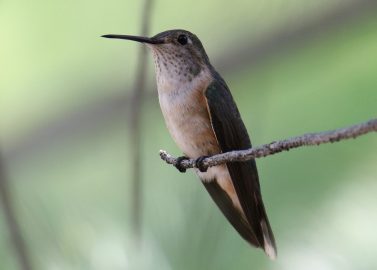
231, 135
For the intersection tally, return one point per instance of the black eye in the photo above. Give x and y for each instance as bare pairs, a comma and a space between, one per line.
182, 39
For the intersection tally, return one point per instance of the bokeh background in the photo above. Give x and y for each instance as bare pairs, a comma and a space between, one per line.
65, 135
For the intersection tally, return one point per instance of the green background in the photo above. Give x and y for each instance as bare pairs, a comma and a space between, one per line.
66, 140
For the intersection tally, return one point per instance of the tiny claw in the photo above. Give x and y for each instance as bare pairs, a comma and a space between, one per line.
199, 163
178, 164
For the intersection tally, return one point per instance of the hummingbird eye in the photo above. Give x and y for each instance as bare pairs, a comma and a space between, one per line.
182, 39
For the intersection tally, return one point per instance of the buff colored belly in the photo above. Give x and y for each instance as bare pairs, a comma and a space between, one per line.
193, 134
189, 124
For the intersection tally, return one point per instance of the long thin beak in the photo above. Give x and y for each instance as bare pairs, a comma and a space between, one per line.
136, 38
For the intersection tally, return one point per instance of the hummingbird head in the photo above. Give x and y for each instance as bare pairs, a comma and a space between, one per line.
178, 54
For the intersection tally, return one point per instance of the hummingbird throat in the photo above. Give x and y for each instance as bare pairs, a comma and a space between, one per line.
175, 66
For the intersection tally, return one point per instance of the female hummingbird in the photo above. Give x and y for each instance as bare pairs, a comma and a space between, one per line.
203, 120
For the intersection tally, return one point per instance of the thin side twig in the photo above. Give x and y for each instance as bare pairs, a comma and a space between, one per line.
279, 146
135, 124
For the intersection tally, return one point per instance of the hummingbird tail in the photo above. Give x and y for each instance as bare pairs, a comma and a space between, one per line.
269, 245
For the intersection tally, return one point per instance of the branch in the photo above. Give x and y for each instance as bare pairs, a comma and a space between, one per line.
279, 146
135, 124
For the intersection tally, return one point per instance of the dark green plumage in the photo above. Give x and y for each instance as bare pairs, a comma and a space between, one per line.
231, 134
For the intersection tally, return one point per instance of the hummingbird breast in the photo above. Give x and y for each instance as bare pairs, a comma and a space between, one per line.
185, 111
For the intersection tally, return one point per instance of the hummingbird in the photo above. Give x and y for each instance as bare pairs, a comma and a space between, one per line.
203, 120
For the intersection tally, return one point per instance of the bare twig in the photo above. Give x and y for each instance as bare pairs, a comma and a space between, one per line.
18, 241
135, 121
280, 146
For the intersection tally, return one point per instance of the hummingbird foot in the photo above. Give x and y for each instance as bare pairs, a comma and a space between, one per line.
199, 164
178, 164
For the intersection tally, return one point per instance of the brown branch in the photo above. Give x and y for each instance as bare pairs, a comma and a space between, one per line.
135, 123
280, 146
18, 241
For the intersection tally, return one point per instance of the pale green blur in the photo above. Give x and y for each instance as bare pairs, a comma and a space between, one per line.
72, 185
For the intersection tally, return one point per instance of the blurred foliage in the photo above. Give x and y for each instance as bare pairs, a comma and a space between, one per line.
73, 196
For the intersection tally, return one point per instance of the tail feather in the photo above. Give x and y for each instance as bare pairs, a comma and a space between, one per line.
234, 216
239, 222
269, 245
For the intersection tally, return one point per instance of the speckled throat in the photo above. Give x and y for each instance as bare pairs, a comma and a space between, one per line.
176, 65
